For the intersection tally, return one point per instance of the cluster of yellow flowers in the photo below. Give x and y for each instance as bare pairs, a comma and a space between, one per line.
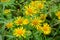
18, 32
21, 21
34, 7
34, 18
46, 29
37, 22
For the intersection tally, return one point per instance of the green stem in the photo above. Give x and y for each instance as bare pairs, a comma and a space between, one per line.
3, 8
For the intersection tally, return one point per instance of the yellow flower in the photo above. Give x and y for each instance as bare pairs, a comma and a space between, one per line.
25, 21
43, 16
18, 32
9, 25
30, 10
39, 27
40, 5
46, 29
36, 21
58, 14
7, 11
37, 4
33, 3
5, 0
18, 21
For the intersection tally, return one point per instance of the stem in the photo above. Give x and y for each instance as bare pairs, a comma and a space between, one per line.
45, 37
3, 8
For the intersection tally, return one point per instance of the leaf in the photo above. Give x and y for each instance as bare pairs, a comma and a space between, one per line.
0, 37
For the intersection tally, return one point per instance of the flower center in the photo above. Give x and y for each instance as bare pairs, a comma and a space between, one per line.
20, 32
35, 22
29, 10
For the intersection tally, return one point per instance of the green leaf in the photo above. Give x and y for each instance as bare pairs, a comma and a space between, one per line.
0, 37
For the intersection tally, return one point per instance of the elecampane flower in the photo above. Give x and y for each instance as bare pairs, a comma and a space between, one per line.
58, 14
18, 21
18, 32
9, 25
25, 21
46, 29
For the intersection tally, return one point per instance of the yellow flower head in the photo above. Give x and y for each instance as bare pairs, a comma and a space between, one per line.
39, 27
5, 0
46, 29
40, 5
33, 3
7, 11
36, 21
9, 25
25, 21
19, 32
18, 21
43, 16
30, 10
58, 14
37, 4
